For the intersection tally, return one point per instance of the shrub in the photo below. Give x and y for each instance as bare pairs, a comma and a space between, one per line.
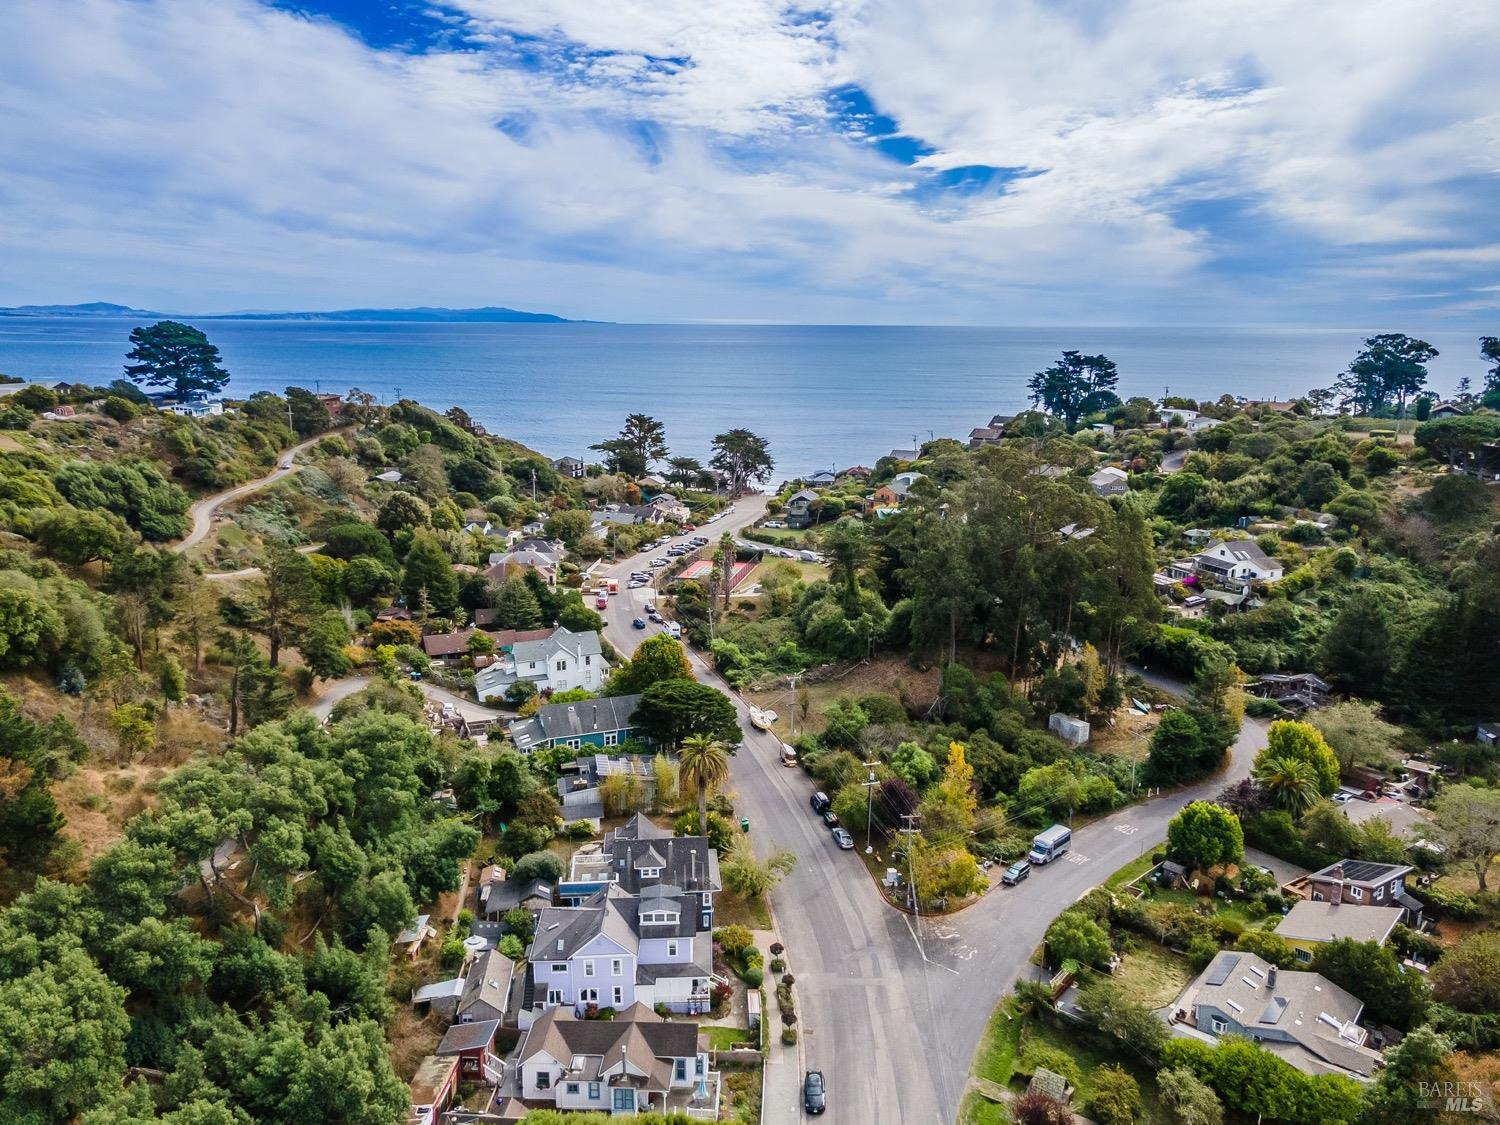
734, 939
777, 964
1044, 1055
663, 1011
754, 976
777, 949
1036, 1108
1116, 1099
538, 865
789, 1036
510, 946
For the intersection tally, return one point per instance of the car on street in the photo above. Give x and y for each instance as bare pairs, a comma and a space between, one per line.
843, 839
830, 818
601, 601
814, 1092
650, 607
287, 464
774, 524
1016, 872
653, 616
819, 802
674, 629
658, 563
639, 623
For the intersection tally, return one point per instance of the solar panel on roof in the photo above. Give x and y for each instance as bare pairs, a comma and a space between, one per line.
1363, 871
1222, 968
1273, 1010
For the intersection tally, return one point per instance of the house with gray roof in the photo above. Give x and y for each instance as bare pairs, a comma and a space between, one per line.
616, 949
1111, 480
1237, 562
579, 788
1304, 1018
1309, 924
602, 722
634, 1063
557, 661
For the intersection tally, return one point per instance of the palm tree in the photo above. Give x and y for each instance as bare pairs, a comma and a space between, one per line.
704, 762
1291, 782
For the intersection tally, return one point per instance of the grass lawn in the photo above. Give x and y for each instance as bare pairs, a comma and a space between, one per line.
731, 909
995, 1059
1153, 975
727, 1038
1134, 869
979, 1110
1090, 1058
808, 572
1232, 908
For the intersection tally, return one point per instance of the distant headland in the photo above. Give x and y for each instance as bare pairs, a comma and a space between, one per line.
487, 315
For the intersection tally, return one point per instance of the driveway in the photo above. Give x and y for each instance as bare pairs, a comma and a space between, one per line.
342, 689
893, 1006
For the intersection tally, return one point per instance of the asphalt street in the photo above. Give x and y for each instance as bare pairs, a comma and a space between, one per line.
892, 1006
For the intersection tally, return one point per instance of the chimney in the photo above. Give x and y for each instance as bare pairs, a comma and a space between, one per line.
1271, 977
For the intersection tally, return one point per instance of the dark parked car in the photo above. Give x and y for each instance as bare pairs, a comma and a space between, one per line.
830, 818
639, 622
843, 839
814, 1092
1016, 872
819, 802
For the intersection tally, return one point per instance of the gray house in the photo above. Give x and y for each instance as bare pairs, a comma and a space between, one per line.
1308, 1020
603, 722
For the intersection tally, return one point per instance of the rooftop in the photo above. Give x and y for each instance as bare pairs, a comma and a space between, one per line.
1329, 921
1363, 871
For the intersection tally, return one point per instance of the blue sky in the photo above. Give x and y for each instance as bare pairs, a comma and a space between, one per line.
889, 161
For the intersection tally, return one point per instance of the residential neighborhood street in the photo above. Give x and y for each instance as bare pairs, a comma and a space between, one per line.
893, 1007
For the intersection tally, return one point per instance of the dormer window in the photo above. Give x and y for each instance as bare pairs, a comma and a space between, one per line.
649, 872
658, 918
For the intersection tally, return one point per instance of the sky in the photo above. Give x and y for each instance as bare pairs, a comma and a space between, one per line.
1005, 162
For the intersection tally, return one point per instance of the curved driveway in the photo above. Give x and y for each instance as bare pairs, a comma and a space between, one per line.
893, 1007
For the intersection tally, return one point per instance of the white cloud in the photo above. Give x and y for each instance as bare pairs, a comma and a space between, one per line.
680, 159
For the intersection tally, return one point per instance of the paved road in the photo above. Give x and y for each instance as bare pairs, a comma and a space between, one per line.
202, 512
893, 1007
342, 689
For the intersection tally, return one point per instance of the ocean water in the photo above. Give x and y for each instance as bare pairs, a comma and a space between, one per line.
824, 396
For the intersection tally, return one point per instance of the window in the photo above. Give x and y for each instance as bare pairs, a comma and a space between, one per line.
532, 665
650, 872
611, 738
588, 661
1379, 893
619, 996
588, 968
1219, 1024
575, 743
1303, 955
589, 995
543, 1080
1395, 886
572, 1088
562, 665
624, 1099
1317, 896
616, 967
679, 1070
1356, 893
671, 949
593, 1091
699, 1064
561, 967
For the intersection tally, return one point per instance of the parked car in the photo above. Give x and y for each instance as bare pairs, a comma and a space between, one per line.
658, 563
652, 615
808, 556
843, 839
814, 1092
675, 630
287, 464
1016, 872
774, 524
639, 622
650, 607
830, 818
819, 802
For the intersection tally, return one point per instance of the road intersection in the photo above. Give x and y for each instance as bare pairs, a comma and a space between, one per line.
892, 1007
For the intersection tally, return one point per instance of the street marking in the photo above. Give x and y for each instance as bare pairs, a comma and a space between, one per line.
1127, 829
1077, 857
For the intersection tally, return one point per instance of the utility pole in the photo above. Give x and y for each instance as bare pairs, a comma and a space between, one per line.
869, 802
533, 486
911, 879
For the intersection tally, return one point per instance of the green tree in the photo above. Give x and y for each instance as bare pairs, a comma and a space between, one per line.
847, 550
309, 415
1291, 783
516, 607
1371, 972
62, 1039
1075, 385
428, 572
1489, 351
1468, 975
323, 646
29, 818
403, 511
78, 537
750, 877
570, 525
288, 594
354, 540
177, 356
1303, 742
660, 657
642, 440
1191, 1101
1391, 368
1466, 822
1074, 936
671, 710
1206, 835
1402, 1091
743, 457
1455, 440
1176, 746
702, 764
1117, 1015
1116, 1099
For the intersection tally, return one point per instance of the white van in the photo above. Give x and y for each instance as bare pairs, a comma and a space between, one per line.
1050, 844
674, 629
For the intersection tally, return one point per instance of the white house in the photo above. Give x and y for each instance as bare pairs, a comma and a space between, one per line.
635, 1063
557, 662
901, 483
196, 408
1238, 561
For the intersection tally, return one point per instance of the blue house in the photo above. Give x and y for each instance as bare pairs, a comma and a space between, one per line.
590, 722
